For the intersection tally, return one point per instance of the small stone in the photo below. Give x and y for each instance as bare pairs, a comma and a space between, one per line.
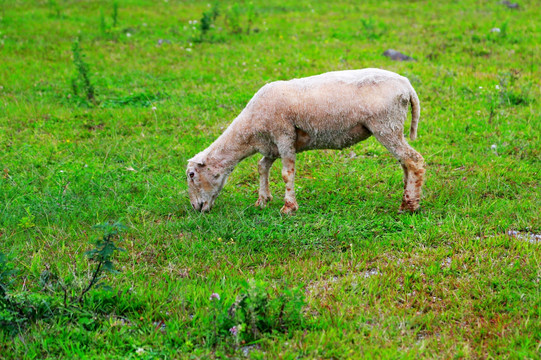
397, 55
510, 5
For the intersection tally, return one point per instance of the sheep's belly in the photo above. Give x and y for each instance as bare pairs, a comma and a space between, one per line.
330, 139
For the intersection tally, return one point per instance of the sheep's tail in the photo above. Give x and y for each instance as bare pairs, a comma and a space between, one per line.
415, 113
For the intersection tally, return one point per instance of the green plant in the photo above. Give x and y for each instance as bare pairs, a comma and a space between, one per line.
251, 16
255, 313
240, 19
17, 310
208, 19
115, 14
7, 273
510, 92
102, 254
233, 19
27, 222
373, 29
81, 83
104, 30
55, 8
109, 31
503, 29
51, 298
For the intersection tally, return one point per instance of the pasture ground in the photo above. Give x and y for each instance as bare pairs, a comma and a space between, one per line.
346, 277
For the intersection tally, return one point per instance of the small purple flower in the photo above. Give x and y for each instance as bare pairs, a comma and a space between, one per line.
234, 331
214, 296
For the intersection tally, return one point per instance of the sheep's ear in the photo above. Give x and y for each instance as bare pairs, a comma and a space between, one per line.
198, 160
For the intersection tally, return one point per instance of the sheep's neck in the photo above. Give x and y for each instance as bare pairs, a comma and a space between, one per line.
231, 148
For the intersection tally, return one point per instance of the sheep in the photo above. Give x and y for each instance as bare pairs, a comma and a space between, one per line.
333, 110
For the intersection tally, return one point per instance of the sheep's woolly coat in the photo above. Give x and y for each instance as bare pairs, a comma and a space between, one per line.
328, 111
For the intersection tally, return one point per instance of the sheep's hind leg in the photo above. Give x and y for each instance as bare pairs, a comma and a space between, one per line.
413, 181
265, 196
413, 165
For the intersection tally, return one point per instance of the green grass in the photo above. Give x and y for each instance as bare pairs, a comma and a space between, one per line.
447, 282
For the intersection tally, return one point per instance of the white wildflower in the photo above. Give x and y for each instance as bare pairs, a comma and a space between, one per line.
370, 273
446, 262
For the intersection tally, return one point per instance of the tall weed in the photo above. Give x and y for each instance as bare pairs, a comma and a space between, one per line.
81, 83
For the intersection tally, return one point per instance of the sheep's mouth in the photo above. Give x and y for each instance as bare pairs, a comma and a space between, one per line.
206, 207
198, 206
202, 206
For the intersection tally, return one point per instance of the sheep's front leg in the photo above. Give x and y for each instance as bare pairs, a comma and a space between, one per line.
288, 174
265, 196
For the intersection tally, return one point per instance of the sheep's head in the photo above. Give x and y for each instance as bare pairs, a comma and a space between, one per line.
204, 183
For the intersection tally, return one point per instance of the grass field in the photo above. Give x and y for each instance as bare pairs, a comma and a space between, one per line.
102, 104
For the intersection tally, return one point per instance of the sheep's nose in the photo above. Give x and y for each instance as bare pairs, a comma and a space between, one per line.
197, 206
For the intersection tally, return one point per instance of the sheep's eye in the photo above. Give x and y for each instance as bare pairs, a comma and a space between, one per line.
191, 175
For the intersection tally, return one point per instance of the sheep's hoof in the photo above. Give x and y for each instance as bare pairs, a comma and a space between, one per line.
408, 206
289, 208
263, 200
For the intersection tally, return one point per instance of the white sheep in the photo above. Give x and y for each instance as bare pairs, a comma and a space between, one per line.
328, 111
